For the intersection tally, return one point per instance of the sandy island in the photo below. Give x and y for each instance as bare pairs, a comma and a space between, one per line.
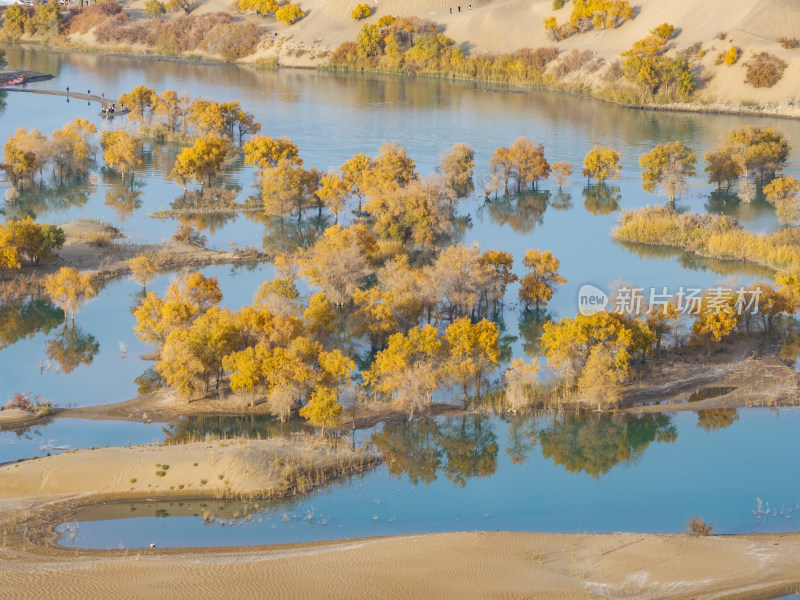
103, 252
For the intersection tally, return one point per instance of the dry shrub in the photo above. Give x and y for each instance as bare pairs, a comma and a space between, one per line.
537, 58
233, 41
81, 21
213, 32
188, 235
699, 527
99, 239
572, 62
720, 35
346, 55
119, 28
691, 51
789, 43
594, 65
764, 70
614, 71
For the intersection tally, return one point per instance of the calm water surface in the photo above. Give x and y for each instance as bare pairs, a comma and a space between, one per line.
567, 473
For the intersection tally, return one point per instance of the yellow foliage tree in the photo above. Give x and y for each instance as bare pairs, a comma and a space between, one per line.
140, 101
537, 286
68, 289
361, 11
408, 369
289, 13
121, 151
473, 351
143, 269
202, 161
782, 193
668, 165
602, 163
323, 410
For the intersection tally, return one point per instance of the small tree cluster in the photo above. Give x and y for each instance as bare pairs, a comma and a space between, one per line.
69, 152
523, 162
646, 65
587, 15
746, 152
361, 11
27, 240
168, 113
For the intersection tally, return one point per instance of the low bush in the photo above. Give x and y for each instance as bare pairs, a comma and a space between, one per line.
699, 527
789, 43
362, 11
188, 235
572, 62
729, 56
764, 70
714, 236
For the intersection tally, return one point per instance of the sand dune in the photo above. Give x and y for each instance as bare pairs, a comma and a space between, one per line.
235, 467
507, 25
494, 26
459, 565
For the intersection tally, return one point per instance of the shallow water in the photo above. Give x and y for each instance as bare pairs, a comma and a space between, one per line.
599, 474
74, 434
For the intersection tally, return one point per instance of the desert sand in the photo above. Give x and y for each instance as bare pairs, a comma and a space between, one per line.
462, 565
466, 565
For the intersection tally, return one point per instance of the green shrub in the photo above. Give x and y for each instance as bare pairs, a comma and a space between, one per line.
558, 4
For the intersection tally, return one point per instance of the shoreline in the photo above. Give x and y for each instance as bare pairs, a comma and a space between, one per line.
718, 107
754, 380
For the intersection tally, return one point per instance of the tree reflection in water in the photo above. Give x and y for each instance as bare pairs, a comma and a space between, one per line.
716, 418
24, 321
461, 448
601, 199
71, 348
124, 198
595, 443
199, 428
40, 200
522, 211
